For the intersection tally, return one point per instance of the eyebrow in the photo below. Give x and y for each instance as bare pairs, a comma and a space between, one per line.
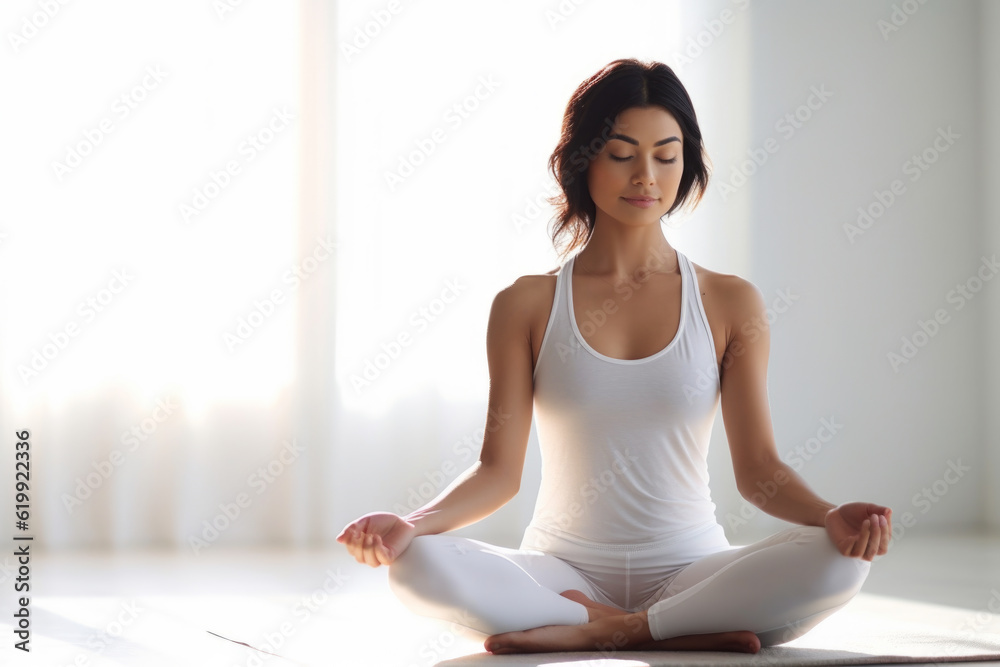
636, 143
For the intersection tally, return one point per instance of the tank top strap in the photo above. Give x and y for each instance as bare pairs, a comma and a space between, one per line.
697, 317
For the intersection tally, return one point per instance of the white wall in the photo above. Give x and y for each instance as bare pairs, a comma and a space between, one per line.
888, 97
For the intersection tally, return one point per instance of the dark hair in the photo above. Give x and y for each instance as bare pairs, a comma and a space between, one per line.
622, 84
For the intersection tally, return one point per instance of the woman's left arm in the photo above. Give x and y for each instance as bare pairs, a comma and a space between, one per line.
857, 529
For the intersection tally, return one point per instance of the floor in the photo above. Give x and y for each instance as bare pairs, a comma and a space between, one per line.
362, 618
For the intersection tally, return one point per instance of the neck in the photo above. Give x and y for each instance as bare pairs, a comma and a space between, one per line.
619, 251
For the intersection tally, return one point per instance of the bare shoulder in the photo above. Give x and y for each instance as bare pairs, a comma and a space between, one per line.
528, 292
734, 298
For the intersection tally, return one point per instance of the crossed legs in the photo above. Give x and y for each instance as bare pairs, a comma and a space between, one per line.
778, 588
484, 587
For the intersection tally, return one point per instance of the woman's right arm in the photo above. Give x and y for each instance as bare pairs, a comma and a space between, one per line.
496, 477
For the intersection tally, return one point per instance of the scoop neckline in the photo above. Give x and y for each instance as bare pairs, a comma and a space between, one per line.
682, 320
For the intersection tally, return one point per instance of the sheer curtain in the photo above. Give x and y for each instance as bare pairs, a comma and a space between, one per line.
150, 226
248, 252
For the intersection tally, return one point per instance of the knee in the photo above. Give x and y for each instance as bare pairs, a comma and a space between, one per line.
841, 576
430, 579
420, 561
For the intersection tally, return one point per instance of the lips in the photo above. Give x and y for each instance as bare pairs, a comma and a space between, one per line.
643, 202
640, 198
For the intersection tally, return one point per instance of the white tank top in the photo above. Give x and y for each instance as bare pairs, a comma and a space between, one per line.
624, 441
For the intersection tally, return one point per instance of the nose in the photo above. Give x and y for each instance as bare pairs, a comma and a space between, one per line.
643, 173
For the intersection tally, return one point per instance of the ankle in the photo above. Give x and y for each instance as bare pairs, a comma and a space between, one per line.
622, 632
637, 627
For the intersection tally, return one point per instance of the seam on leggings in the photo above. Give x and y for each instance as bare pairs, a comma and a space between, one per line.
624, 547
628, 589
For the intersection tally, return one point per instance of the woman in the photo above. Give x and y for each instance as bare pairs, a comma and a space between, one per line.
626, 351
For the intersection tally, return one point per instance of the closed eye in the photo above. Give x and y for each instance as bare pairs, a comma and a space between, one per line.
623, 159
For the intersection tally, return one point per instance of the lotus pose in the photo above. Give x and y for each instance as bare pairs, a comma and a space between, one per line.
623, 354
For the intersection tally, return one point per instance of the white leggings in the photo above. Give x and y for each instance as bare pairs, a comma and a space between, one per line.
778, 588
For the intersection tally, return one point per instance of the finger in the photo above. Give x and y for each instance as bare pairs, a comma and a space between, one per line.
370, 558
874, 539
357, 546
878, 533
862, 541
888, 519
383, 552
886, 535
345, 534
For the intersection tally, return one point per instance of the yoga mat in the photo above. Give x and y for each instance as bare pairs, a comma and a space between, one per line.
869, 630
372, 629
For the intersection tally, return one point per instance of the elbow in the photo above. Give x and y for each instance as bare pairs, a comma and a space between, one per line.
762, 484
511, 485
506, 482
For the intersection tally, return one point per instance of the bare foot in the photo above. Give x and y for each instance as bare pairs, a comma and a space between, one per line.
595, 610
621, 632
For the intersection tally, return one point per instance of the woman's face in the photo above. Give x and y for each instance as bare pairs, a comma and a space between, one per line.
643, 157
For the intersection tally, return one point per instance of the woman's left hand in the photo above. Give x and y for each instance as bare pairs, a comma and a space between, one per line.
860, 530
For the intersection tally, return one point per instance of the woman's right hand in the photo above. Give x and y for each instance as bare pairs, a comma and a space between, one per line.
377, 538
